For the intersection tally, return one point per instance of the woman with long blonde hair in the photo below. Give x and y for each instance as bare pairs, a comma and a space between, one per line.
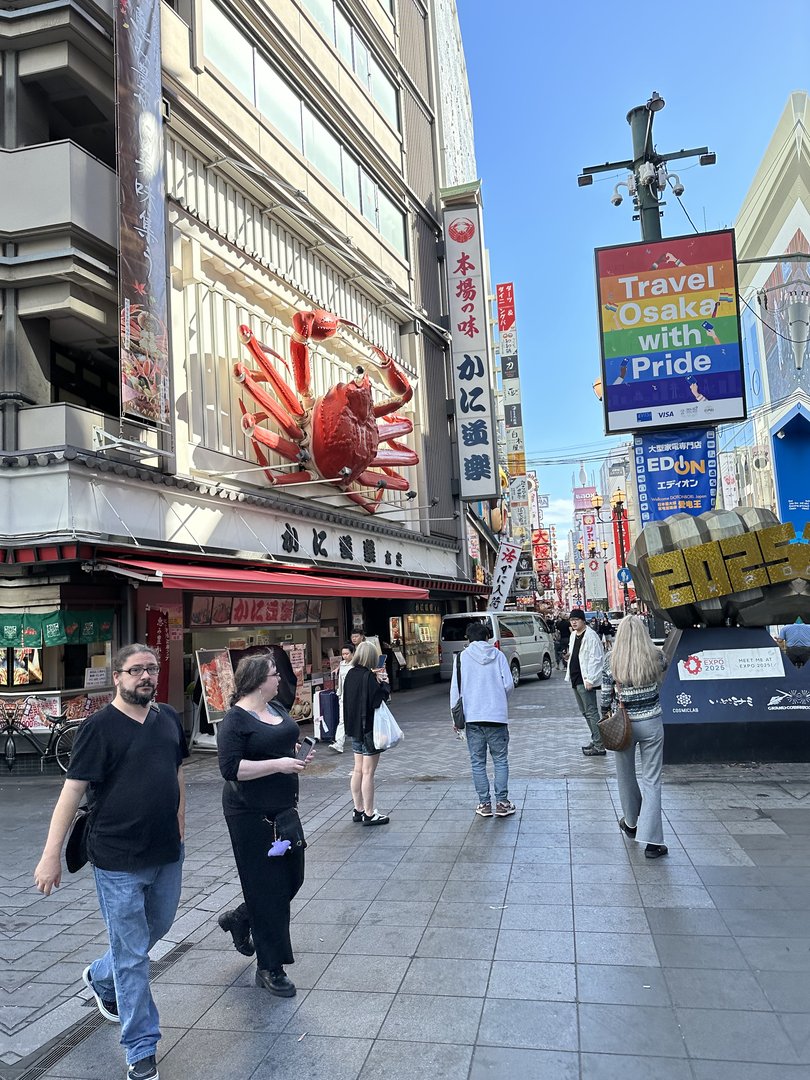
364, 688
632, 674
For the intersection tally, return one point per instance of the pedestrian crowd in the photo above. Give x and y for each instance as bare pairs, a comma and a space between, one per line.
127, 764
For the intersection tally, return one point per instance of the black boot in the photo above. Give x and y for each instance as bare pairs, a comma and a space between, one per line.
237, 924
276, 982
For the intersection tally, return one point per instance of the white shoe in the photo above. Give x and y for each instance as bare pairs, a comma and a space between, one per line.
334, 746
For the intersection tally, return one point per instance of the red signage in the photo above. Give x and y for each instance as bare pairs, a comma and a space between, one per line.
506, 305
157, 638
621, 544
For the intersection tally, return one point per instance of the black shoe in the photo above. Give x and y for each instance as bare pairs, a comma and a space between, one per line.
655, 851
108, 1007
145, 1069
357, 816
591, 751
375, 819
626, 829
238, 926
276, 982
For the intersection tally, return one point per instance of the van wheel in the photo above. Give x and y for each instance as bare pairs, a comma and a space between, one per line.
546, 669
515, 669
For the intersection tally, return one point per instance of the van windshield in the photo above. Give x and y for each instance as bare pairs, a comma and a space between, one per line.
456, 629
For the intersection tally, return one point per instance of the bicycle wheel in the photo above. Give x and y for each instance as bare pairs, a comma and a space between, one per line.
63, 747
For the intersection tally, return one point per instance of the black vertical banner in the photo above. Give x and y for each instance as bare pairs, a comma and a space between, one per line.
142, 285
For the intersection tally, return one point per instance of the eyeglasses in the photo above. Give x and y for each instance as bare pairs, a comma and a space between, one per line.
139, 669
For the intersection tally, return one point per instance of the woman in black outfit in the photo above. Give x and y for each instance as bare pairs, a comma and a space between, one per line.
364, 688
257, 742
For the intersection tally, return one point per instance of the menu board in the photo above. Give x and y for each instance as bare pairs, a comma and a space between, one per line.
216, 676
253, 611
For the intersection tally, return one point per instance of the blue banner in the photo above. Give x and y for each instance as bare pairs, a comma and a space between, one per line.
676, 472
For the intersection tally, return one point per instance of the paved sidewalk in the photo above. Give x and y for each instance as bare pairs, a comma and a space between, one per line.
544, 944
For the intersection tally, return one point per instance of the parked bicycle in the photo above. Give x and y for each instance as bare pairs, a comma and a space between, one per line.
60, 739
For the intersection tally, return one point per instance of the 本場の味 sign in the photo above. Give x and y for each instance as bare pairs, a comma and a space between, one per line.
469, 330
670, 333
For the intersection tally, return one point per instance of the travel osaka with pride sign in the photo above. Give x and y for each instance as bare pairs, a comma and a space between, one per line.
670, 333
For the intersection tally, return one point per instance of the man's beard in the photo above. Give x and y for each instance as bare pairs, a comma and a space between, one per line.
141, 695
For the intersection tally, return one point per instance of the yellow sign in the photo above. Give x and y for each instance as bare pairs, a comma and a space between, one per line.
516, 464
732, 565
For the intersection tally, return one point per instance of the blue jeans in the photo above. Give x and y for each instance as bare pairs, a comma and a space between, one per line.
139, 908
496, 737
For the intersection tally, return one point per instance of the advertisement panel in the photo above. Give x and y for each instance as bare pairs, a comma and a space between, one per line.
505, 296
670, 333
142, 279
505, 567
469, 330
676, 472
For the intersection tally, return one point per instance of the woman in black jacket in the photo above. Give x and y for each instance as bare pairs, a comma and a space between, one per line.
257, 742
364, 688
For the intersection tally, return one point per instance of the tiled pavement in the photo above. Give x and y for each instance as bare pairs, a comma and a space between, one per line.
539, 945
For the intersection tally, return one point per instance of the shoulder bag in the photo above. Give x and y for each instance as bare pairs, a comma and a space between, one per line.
457, 710
617, 730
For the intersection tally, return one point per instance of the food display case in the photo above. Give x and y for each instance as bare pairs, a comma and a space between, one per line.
421, 641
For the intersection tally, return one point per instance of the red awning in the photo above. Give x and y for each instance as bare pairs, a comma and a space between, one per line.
228, 579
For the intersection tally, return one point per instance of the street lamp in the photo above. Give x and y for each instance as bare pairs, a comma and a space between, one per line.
617, 518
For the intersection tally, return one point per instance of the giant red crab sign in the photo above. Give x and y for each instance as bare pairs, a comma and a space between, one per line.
336, 436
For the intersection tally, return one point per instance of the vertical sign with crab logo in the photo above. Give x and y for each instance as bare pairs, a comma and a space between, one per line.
470, 348
143, 337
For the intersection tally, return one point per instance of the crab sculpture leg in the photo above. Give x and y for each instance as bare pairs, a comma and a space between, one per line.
337, 432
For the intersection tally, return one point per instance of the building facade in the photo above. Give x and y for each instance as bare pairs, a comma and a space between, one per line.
300, 147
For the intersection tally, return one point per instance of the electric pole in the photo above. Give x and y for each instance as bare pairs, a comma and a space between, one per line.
648, 178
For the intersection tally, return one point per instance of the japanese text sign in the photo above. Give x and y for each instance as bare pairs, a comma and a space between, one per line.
670, 333
676, 472
508, 556
470, 352
505, 296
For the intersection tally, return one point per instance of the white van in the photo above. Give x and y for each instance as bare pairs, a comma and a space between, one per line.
522, 636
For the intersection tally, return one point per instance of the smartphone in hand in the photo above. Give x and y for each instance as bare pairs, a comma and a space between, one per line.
307, 744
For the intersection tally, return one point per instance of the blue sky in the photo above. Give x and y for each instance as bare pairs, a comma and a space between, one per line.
551, 85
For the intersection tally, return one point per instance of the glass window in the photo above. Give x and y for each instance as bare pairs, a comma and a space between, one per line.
361, 61
278, 103
351, 179
392, 222
322, 149
503, 630
343, 36
368, 198
322, 11
229, 50
384, 92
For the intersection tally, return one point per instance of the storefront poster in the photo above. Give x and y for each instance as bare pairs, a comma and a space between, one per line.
216, 676
201, 610
261, 611
676, 472
670, 333
508, 555
314, 614
221, 611
157, 638
301, 612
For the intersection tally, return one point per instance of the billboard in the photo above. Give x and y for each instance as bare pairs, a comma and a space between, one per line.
470, 351
670, 333
676, 472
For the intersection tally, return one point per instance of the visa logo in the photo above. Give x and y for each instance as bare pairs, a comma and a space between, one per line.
665, 415
642, 417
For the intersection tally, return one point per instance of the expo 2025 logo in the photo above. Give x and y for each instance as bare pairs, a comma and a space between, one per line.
692, 665
461, 229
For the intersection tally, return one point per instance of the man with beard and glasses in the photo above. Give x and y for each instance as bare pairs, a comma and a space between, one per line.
129, 754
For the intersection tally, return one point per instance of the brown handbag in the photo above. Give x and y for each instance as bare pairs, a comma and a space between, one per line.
616, 730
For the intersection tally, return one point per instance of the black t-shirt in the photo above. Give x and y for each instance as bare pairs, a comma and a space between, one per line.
242, 736
563, 627
134, 792
574, 670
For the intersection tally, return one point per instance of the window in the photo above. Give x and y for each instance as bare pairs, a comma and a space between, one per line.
356, 54
279, 104
229, 50
234, 55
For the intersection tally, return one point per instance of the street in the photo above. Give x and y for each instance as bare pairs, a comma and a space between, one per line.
543, 944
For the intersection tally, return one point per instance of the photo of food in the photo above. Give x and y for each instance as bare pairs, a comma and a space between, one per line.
221, 611
201, 610
216, 675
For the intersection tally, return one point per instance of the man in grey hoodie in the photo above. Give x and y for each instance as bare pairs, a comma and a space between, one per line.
486, 683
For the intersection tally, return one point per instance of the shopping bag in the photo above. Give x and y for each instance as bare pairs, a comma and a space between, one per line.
387, 732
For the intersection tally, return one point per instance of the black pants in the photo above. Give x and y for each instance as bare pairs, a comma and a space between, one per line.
268, 886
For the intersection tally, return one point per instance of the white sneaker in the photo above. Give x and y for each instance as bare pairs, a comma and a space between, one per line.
334, 746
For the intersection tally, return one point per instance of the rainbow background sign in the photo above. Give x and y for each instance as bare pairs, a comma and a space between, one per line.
670, 333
